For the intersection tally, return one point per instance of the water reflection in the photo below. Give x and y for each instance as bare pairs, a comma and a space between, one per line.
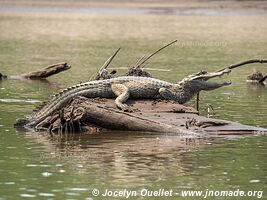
118, 160
126, 157
36, 164
19, 101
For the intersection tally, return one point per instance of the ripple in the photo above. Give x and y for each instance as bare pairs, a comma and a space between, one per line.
72, 194
27, 195
46, 174
56, 190
35, 165
19, 101
254, 181
10, 183
77, 189
47, 194
31, 190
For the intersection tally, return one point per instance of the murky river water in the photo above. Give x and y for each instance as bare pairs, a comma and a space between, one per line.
37, 166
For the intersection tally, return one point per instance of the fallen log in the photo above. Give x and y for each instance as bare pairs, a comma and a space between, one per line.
101, 115
256, 78
46, 72
95, 114
41, 73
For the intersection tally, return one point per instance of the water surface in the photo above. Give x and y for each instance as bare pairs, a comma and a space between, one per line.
37, 166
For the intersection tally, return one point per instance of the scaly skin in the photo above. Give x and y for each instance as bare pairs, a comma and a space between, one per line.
125, 87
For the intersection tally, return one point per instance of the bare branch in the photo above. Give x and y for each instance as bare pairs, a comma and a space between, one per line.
142, 61
106, 64
109, 60
243, 63
263, 79
139, 61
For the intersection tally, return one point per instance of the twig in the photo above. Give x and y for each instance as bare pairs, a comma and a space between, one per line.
263, 79
197, 102
108, 61
139, 60
139, 63
243, 63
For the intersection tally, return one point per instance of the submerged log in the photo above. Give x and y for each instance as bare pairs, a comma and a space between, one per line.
2, 76
257, 77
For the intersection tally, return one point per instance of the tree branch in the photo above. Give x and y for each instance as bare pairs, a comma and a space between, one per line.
106, 64
143, 60
243, 63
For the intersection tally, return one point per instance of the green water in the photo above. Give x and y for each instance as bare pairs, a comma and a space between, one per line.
36, 166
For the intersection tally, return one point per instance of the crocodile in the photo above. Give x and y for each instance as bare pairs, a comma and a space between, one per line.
125, 87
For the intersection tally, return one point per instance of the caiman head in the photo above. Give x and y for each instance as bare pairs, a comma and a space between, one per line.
193, 84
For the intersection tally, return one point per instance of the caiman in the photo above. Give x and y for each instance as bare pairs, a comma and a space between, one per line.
125, 87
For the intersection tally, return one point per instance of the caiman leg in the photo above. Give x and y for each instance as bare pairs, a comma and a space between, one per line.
122, 93
167, 94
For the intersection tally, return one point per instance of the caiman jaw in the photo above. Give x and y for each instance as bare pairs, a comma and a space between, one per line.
200, 80
204, 85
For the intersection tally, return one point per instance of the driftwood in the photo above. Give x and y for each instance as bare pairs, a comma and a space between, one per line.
41, 73
257, 78
82, 113
46, 72
2, 76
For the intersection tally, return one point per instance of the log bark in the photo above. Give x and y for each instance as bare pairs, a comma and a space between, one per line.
101, 114
110, 118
